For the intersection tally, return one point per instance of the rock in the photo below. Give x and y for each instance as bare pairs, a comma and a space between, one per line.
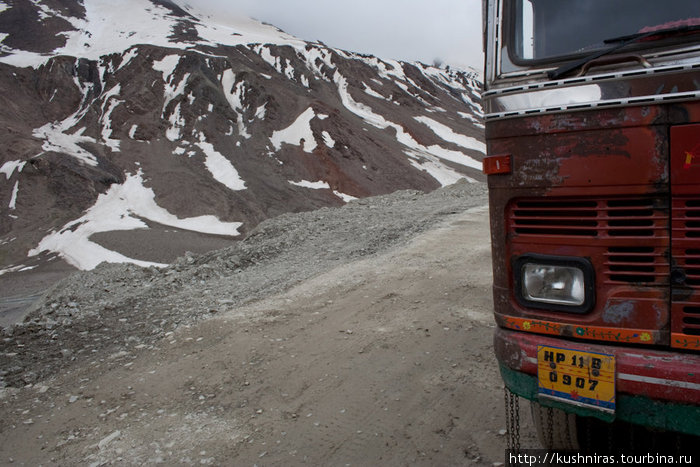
108, 439
117, 305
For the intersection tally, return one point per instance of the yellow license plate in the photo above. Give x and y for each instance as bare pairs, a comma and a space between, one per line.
586, 379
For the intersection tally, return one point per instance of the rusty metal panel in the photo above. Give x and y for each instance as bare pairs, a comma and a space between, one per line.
685, 274
625, 239
655, 373
595, 186
634, 158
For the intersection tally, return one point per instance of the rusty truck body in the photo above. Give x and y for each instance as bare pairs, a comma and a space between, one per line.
592, 113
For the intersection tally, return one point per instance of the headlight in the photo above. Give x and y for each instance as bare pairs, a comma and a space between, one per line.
554, 283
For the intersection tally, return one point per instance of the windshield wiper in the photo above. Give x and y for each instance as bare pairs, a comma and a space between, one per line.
623, 41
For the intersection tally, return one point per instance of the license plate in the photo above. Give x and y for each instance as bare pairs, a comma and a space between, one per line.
586, 379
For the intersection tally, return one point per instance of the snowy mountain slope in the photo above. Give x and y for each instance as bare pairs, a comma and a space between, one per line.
136, 114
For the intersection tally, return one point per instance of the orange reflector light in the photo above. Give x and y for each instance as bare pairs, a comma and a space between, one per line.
499, 164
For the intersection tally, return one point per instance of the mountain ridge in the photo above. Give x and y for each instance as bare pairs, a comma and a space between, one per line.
196, 135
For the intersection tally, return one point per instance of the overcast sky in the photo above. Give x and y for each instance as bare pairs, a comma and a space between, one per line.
423, 30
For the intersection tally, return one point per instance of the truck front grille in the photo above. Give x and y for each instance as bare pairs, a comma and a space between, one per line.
686, 255
634, 230
688, 211
691, 320
650, 242
600, 218
636, 265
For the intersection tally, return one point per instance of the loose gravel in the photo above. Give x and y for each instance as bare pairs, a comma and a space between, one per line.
118, 308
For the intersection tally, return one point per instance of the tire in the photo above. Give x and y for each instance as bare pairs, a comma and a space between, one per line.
555, 432
621, 437
591, 435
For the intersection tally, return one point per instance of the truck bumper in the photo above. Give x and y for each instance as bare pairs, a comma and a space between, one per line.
655, 388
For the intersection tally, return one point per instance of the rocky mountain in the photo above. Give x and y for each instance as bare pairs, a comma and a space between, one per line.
134, 131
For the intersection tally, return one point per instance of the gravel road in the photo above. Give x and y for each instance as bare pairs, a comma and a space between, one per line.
351, 336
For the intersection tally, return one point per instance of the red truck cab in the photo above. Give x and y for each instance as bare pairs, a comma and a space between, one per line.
592, 112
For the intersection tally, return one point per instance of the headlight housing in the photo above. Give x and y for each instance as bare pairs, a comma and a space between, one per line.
554, 283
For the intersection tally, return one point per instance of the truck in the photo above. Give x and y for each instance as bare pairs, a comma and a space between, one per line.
592, 124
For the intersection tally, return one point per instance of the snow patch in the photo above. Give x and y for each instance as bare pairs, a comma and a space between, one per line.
283, 67
330, 142
446, 133
316, 59
105, 119
113, 27
174, 89
44, 11
297, 132
343, 196
176, 124
56, 139
266, 55
321, 185
261, 111
475, 121
9, 167
435, 152
220, 168
19, 268
387, 69
13, 198
166, 66
242, 130
372, 92
122, 208
128, 56
235, 93
434, 167
237, 30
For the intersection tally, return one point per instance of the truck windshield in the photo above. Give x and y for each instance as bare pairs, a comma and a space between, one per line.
543, 31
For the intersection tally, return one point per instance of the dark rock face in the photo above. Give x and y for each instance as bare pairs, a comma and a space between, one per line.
30, 28
241, 131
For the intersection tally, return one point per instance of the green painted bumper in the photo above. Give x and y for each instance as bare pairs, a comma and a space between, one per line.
633, 409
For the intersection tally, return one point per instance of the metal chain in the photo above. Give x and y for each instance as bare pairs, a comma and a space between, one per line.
509, 428
517, 422
550, 428
511, 412
512, 406
568, 433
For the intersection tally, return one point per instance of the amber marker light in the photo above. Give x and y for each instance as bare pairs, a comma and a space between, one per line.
498, 164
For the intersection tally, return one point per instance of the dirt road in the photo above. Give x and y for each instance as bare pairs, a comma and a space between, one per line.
386, 360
